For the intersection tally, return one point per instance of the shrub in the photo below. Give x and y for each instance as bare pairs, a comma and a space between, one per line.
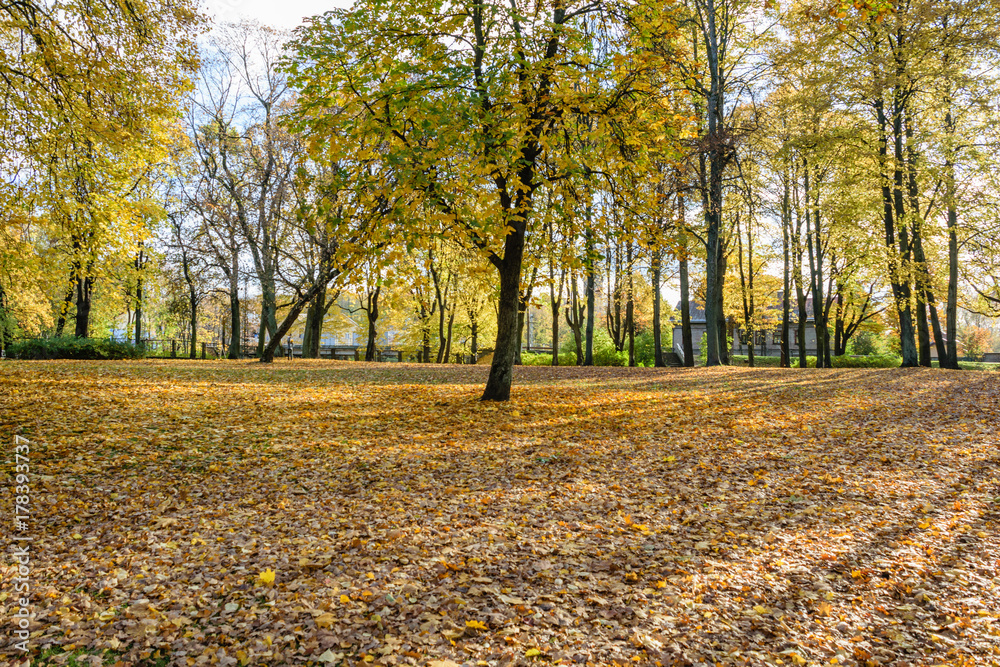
865, 343
868, 361
545, 359
71, 347
645, 349
810, 362
609, 356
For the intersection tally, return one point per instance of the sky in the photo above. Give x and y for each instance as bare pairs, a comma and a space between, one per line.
285, 14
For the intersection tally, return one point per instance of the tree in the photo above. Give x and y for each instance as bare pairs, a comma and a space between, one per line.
90, 93
467, 100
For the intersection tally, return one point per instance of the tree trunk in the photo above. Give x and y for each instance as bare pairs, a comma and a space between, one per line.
658, 360
895, 228
508, 339
687, 339
950, 360
372, 313
575, 320
474, 342
588, 359
720, 316
67, 302
554, 305
451, 325
139, 264
786, 282
442, 340
193, 304
84, 291
235, 350
748, 327
630, 307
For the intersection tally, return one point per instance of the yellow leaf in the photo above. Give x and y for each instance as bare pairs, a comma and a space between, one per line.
266, 577
671, 459
325, 621
759, 609
925, 524
532, 652
344, 599
475, 625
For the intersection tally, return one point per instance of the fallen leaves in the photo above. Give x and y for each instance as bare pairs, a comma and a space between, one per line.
337, 513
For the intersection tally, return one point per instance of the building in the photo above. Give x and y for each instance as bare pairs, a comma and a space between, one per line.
768, 342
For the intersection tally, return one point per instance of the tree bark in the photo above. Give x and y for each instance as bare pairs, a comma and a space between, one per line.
657, 259
508, 340
575, 318
786, 296
474, 342
372, 314
588, 359
84, 291
900, 288
950, 360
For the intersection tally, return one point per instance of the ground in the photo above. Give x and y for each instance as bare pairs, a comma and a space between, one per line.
343, 513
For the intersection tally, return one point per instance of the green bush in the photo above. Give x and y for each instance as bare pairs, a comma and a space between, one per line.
865, 343
605, 353
868, 361
810, 362
545, 359
609, 356
645, 349
567, 359
71, 347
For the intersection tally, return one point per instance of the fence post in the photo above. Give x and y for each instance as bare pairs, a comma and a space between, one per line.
204, 346
173, 348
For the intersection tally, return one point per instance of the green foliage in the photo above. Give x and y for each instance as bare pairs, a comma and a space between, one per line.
605, 353
866, 343
545, 359
810, 362
869, 361
71, 347
645, 349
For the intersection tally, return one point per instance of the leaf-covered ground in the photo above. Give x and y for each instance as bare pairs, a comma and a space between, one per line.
603, 516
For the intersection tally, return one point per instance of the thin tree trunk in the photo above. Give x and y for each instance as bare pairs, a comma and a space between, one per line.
950, 360
474, 343
372, 314
588, 359
786, 296
451, 325
895, 227
630, 307
84, 291
748, 327
657, 259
